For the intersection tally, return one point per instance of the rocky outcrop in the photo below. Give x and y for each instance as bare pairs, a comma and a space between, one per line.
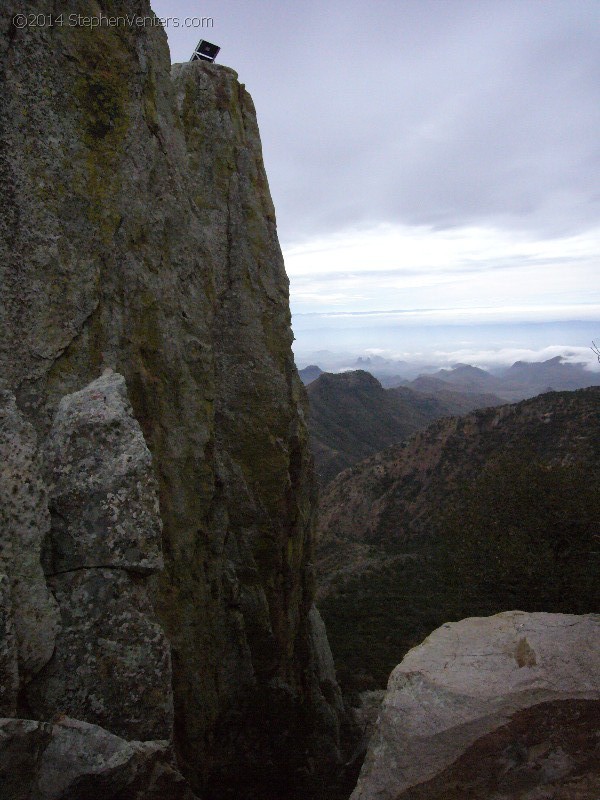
138, 234
90, 644
72, 760
111, 663
494, 708
29, 610
103, 495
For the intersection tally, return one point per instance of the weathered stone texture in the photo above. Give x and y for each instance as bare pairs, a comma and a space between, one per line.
24, 522
73, 760
492, 708
109, 661
9, 669
112, 662
138, 233
103, 495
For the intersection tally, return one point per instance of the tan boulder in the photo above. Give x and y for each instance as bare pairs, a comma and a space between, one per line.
492, 708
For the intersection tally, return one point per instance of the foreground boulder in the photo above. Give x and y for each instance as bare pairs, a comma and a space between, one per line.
73, 760
492, 708
103, 498
81, 649
111, 664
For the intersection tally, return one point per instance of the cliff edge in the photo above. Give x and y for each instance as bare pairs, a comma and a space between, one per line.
138, 234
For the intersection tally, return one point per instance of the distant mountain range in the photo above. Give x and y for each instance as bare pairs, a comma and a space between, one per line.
518, 382
352, 416
521, 380
496, 509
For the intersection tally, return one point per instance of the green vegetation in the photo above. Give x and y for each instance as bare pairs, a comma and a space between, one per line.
524, 534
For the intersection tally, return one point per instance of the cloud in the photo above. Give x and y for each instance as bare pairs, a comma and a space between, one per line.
588, 312
509, 355
426, 155
411, 268
419, 112
431, 358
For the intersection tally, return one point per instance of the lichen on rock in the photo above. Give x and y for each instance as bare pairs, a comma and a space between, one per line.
138, 234
111, 663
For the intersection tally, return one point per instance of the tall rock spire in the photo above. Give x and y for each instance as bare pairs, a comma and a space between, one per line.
138, 233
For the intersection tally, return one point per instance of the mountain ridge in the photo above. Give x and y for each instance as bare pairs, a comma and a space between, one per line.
511, 383
351, 416
470, 516
519, 381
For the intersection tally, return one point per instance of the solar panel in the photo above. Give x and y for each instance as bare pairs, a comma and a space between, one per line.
205, 51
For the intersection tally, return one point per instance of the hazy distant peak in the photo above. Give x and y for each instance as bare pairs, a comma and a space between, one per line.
556, 361
310, 373
465, 369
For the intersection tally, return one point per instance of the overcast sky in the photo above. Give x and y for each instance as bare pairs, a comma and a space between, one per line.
435, 157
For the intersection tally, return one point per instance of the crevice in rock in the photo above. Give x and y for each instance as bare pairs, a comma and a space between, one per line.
115, 568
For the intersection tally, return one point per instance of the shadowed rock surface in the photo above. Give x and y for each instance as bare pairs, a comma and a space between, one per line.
9, 671
24, 522
138, 234
73, 760
494, 708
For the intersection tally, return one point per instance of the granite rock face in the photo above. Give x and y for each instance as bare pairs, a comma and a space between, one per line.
87, 626
111, 663
9, 670
137, 233
72, 760
24, 522
492, 708
103, 496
